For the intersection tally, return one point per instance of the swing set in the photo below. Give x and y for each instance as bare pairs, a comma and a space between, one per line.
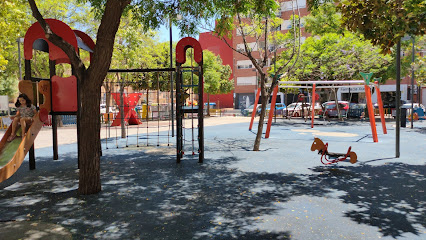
328, 84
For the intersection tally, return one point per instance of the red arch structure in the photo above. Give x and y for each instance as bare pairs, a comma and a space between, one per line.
63, 90
35, 32
186, 43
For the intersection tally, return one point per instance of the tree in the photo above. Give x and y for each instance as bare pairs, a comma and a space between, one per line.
336, 57
216, 76
13, 26
339, 57
151, 14
420, 61
16, 20
254, 19
324, 19
384, 22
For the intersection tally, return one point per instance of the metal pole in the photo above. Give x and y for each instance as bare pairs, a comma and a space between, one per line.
398, 98
412, 87
19, 57
171, 79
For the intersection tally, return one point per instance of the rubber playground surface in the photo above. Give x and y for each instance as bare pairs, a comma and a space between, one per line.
280, 192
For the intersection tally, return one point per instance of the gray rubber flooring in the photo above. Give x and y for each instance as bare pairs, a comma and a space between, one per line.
280, 192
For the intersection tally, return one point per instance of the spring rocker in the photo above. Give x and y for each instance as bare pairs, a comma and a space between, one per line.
329, 157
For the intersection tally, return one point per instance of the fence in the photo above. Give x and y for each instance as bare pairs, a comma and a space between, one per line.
66, 120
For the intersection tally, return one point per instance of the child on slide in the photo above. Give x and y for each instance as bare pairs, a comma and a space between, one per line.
24, 116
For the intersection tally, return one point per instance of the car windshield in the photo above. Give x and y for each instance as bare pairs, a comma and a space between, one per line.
357, 106
330, 106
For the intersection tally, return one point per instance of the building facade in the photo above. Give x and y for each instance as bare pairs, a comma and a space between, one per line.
244, 73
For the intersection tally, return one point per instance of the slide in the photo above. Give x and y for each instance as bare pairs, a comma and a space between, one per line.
12, 154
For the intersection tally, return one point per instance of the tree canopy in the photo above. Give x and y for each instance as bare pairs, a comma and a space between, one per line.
16, 19
216, 75
339, 57
382, 22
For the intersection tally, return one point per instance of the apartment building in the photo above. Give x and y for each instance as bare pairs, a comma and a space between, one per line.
244, 74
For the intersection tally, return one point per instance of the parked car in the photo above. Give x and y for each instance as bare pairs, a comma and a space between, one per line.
356, 110
279, 108
390, 104
416, 107
248, 111
295, 109
11, 112
330, 109
103, 109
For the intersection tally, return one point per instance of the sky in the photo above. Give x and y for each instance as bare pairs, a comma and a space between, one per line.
164, 33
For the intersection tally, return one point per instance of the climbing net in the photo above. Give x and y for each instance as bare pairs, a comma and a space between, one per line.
136, 109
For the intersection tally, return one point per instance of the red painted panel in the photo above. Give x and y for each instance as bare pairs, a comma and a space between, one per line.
36, 32
64, 94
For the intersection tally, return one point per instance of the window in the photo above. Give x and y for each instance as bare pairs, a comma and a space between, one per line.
286, 25
288, 5
252, 46
242, 81
276, 28
244, 64
245, 29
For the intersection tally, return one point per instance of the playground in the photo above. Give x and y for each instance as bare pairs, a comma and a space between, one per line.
280, 192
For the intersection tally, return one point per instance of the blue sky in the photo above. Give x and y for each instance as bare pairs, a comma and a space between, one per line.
164, 33
165, 36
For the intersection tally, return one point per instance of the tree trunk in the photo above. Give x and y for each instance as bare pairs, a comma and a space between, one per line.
90, 179
264, 99
90, 82
122, 123
59, 120
337, 105
208, 104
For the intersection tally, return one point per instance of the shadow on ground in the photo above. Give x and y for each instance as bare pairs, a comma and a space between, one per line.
149, 196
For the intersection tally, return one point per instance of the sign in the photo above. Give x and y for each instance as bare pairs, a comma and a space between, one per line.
353, 89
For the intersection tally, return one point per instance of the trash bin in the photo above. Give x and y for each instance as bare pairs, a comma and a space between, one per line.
403, 117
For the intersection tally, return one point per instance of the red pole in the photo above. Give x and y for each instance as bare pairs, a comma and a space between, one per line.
313, 105
371, 113
253, 114
382, 112
271, 111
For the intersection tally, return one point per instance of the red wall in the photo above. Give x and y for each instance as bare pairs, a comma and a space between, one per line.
219, 47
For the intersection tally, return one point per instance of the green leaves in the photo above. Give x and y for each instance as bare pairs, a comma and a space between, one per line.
216, 75
336, 57
384, 22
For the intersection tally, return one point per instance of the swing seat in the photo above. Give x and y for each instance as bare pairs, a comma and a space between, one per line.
330, 157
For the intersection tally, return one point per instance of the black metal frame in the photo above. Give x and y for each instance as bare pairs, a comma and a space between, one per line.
180, 112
